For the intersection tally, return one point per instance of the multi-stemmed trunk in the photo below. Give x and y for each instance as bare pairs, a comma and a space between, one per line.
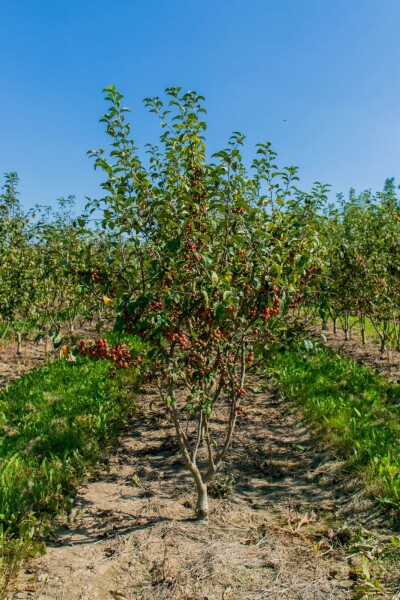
190, 455
189, 450
382, 329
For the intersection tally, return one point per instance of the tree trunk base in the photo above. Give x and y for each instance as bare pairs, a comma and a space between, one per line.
202, 503
201, 515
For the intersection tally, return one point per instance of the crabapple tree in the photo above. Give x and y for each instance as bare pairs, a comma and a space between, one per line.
207, 262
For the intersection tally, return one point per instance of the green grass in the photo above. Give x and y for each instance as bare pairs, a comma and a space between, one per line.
370, 332
55, 423
5, 332
354, 409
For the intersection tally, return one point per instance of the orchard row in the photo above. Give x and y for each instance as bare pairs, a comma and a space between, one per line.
359, 283
212, 265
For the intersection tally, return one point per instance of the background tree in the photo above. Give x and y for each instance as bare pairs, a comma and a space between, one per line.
18, 262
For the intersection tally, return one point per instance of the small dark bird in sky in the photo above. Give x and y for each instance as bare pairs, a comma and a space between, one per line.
284, 119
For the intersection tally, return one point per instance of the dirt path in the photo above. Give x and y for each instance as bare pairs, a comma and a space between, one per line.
277, 536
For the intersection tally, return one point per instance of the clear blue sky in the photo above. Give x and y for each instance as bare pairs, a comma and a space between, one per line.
330, 67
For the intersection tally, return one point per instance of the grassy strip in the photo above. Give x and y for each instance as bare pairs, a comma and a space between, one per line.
54, 424
354, 409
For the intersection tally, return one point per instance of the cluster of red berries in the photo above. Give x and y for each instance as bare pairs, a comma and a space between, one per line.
197, 173
178, 338
267, 313
202, 208
196, 168
216, 335
241, 392
202, 372
224, 363
94, 275
200, 344
238, 211
248, 288
225, 368
197, 358
296, 301
166, 282
194, 258
191, 255
119, 355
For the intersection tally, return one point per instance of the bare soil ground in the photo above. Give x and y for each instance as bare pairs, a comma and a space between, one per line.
13, 366
388, 364
32, 355
279, 535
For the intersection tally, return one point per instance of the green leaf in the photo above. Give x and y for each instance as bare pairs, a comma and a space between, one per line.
173, 245
214, 278
169, 401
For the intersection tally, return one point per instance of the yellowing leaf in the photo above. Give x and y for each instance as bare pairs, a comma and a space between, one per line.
107, 301
65, 351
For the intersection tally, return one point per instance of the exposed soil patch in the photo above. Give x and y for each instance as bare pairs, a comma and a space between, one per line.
13, 366
388, 363
33, 355
279, 535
